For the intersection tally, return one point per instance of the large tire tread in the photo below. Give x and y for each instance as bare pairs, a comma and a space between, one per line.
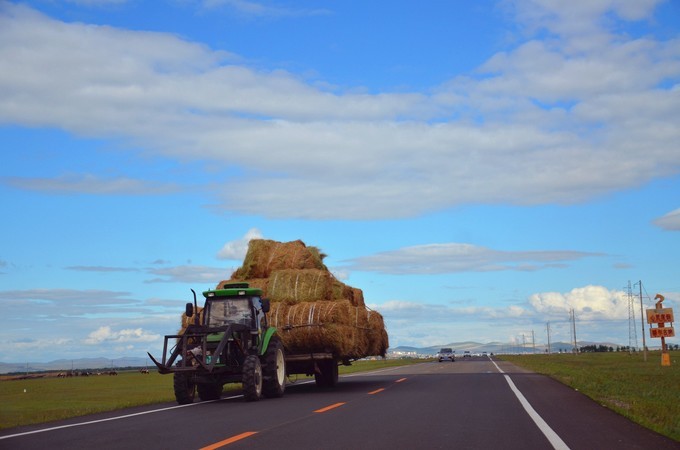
185, 391
274, 371
252, 378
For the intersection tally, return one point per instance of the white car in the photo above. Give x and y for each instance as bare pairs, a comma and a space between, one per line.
446, 354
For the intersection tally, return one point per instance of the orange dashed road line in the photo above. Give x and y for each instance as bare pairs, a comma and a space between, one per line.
400, 380
376, 391
335, 405
231, 440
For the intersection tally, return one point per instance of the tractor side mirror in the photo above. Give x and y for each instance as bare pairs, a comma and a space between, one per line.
265, 305
189, 310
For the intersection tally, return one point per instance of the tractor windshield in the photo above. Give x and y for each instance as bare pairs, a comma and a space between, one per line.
230, 311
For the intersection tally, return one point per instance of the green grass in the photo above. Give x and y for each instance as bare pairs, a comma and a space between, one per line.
643, 391
39, 400
365, 366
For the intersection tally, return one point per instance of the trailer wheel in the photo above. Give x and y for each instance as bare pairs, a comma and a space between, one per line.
185, 389
209, 391
328, 373
274, 383
252, 378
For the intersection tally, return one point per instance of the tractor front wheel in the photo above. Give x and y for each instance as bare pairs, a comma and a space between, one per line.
185, 389
252, 378
274, 370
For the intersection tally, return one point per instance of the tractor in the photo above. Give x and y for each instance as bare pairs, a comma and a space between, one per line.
228, 341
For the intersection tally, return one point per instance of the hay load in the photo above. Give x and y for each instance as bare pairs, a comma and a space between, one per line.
266, 256
313, 311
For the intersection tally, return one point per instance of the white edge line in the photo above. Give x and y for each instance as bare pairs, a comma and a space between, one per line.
126, 416
549, 433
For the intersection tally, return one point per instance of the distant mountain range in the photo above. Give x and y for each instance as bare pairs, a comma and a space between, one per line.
496, 347
459, 347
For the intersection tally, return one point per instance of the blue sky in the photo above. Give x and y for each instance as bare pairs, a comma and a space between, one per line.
477, 168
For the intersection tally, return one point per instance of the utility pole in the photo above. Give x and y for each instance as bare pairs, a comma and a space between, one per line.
573, 327
533, 341
642, 326
547, 327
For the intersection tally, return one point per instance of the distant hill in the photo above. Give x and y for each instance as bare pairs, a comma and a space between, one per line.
495, 347
75, 364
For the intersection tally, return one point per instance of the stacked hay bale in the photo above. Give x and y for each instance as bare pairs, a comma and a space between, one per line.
313, 311
186, 321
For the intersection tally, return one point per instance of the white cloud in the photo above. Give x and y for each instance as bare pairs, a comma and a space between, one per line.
588, 303
579, 18
555, 121
91, 184
238, 248
259, 9
106, 334
66, 296
458, 257
414, 323
601, 315
97, 2
670, 221
189, 274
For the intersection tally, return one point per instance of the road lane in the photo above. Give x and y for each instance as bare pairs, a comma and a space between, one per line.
465, 404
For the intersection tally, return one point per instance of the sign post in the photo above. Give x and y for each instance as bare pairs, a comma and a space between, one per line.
661, 316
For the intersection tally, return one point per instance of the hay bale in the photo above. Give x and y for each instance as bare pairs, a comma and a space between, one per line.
257, 283
186, 321
357, 297
342, 291
305, 285
337, 327
265, 256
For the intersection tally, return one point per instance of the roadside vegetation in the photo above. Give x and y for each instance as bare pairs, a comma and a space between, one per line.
27, 401
642, 391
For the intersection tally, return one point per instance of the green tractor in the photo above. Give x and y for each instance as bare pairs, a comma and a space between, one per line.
229, 341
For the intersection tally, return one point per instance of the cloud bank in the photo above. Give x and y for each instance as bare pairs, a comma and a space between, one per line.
561, 120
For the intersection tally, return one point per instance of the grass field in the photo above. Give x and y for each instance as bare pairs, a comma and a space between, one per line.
38, 400
645, 392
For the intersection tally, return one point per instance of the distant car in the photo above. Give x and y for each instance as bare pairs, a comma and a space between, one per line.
446, 354
466, 354
484, 354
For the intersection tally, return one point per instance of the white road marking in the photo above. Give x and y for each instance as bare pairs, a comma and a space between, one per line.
91, 422
555, 440
126, 416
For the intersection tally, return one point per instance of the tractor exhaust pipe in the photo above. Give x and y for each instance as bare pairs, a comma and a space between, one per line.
196, 321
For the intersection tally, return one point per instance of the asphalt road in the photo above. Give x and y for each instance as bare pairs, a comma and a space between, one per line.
473, 403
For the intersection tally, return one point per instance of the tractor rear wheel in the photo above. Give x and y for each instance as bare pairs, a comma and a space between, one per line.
185, 389
274, 379
252, 378
209, 391
328, 373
